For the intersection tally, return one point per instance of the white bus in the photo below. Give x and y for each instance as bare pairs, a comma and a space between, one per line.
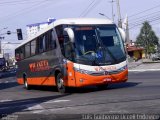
73, 53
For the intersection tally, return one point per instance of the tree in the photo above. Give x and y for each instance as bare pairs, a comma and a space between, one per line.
147, 39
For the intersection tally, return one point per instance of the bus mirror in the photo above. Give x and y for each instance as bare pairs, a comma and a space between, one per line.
70, 34
123, 34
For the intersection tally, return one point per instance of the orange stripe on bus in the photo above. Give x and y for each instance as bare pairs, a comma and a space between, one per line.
20, 81
81, 80
38, 81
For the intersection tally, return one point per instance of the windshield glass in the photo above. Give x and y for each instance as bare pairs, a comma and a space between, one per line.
98, 45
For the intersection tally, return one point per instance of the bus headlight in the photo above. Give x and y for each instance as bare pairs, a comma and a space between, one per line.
81, 71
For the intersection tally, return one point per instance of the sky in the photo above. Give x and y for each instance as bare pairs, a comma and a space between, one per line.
15, 14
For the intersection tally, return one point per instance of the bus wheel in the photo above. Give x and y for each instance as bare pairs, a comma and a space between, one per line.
26, 84
60, 83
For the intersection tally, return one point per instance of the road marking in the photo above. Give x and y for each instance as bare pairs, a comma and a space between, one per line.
38, 111
29, 107
58, 109
33, 107
118, 111
6, 82
57, 101
5, 100
2, 82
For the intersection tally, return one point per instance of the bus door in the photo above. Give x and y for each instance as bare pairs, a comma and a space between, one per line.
71, 80
67, 51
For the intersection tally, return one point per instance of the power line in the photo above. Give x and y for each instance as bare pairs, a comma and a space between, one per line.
20, 1
91, 6
17, 1
88, 7
139, 20
147, 19
158, 18
144, 16
144, 11
138, 26
34, 6
153, 17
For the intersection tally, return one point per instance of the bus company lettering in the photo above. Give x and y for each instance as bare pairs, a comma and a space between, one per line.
39, 66
105, 68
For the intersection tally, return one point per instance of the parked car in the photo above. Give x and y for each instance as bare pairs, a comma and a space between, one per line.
156, 57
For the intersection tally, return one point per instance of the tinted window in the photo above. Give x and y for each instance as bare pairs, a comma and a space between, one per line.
33, 47
41, 44
27, 50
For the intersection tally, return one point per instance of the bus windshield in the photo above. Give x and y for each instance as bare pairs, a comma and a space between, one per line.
98, 45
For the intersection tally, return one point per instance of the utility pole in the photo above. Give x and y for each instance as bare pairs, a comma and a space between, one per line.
119, 14
0, 44
127, 31
127, 34
1, 39
112, 9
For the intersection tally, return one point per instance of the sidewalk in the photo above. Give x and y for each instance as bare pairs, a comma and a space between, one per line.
140, 66
132, 65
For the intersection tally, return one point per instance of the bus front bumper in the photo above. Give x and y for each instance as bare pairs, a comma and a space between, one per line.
87, 80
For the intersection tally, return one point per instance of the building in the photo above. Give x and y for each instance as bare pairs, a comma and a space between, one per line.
33, 29
135, 52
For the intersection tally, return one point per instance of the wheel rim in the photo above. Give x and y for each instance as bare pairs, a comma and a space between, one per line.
26, 84
60, 83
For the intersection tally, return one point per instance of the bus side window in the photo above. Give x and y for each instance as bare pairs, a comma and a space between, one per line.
33, 47
42, 44
47, 35
52, 40
27, 50
59, 32
67, 47
17, 55
22, 53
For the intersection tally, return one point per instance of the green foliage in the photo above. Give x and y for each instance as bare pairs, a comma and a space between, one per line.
147, 38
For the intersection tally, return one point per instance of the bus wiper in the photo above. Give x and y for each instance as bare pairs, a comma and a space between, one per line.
101, 47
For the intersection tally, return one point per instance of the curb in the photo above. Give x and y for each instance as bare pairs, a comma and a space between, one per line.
143, 70
134, 66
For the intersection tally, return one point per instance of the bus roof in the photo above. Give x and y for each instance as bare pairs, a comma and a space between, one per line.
82, 21
70, 21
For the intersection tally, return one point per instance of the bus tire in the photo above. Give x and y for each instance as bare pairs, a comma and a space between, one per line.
60, 83
26, 83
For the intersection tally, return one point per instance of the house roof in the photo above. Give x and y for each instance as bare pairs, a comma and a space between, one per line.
134, 48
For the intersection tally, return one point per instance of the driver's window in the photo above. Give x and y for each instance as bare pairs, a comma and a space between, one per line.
67, 46
90, 42
59, 31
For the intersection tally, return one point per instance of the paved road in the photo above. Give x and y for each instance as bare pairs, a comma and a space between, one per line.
141, 94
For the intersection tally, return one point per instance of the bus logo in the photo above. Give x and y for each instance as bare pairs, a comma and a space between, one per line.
105, 68
39, 66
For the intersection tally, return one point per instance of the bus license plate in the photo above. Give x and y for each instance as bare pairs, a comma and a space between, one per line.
107, 80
